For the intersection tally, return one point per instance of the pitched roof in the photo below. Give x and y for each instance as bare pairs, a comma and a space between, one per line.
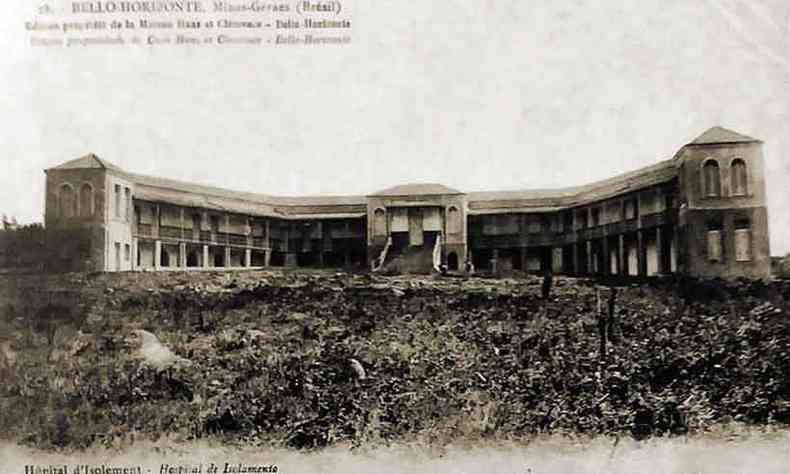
259, 198
541, 200
419, 189
88, 161
721, 135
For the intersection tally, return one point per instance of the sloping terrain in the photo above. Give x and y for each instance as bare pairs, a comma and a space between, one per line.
314, 359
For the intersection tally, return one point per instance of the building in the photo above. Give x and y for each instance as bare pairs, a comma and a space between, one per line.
700, 213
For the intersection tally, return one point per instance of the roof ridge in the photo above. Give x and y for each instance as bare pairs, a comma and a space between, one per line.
718, 134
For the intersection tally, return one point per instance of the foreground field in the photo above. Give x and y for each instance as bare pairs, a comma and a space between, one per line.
305, 360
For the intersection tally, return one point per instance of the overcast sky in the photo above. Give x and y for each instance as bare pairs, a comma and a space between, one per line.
477, 95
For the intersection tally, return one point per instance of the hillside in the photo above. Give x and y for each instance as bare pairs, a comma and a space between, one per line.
313, 359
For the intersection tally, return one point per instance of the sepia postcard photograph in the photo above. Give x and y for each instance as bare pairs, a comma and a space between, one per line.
380, 236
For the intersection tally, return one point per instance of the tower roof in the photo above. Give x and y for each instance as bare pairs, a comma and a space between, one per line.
721, 135
420, 189
88, 161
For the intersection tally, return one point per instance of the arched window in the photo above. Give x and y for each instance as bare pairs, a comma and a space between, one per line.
68, 203
86, 200
738, 185
711, 179
379, 222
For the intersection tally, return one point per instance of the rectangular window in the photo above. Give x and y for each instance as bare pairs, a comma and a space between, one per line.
534, 225
127, 252
127, 203
714, 246
581, 219
743, 245
117, 200
630, 209
117, 255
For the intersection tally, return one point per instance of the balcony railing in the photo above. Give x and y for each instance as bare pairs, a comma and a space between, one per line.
630, 225
237, 239
145, 230
168, 232
656, 219
491, 241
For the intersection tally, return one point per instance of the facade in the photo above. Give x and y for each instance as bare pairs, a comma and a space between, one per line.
700, 213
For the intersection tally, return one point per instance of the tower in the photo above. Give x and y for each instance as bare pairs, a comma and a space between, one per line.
723, 219
88, 216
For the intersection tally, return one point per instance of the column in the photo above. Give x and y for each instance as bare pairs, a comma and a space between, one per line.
660, 251
494, 259
640, 254
205, 256
673, 250
267, 258
182, 255
135, 252
247, 257
227, 257
588, 245
155, 223
157, 254
556, 259
639, 210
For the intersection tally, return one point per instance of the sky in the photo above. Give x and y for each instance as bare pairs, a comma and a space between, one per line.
476, 95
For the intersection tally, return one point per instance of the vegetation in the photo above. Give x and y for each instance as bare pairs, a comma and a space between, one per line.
266, 358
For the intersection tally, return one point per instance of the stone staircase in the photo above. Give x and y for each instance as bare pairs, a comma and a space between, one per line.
410, 259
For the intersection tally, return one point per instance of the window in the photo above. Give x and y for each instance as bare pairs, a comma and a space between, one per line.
68, 203
711, 178
127, 203
534, 225
127, 252
581, 219
714, 241
86, 200
453, 220
743, 241
117, 200
117, 255
596, 216
630, 209
567, 222
738, 177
